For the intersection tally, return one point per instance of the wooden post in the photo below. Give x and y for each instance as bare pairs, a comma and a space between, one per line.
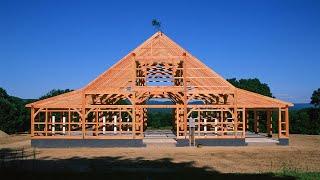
83, 114
97, 122
222, 122
279, 123
247, 120
269, 123
32, 121
287, 121
199, 122
134, 95
185, 95
134, 120
69, 122
120, 121
235, 122
46, 123
256, 121
244, 120
177, 120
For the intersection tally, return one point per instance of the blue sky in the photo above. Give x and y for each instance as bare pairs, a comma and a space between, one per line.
66, 44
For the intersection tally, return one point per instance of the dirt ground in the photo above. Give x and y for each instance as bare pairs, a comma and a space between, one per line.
302, 154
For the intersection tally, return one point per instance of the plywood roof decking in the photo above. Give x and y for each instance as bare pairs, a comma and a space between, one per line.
162, 48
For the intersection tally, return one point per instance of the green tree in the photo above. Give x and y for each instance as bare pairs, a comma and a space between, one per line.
3, 94
253, 85
315, 98
8, 114
161, 119
14, 116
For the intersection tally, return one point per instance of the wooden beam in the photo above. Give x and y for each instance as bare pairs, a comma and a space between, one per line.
279, 123
256, 121
269, 123
32, 121
83, 115
185, 95
287, 121
244, 119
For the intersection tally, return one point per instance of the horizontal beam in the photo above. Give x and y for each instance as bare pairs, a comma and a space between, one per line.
159, 106
109, 106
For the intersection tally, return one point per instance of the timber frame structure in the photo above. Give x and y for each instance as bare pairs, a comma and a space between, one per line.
158, 68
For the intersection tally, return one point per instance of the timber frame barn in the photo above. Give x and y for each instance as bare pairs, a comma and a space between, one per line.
111, 111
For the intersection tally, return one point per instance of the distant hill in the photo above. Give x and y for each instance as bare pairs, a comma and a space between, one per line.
298, 106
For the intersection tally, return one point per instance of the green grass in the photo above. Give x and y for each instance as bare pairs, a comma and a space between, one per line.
300, 175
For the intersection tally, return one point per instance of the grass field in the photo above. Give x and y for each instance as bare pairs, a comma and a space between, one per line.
299, 160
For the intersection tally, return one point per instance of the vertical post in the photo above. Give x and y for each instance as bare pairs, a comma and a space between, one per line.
64, 125
205, 126
128, 128
69, 122
192, 127
199, 122
177, 120
269, 123
134, 78
134, 120
287, 121
244, 120
256, 121
279, 124
185, 96
114, 124
120, 121
235, 124
222, 123
83, 114
104, 125
216, 126
53, 125
247, 120
32, 121
97, 122
46, 123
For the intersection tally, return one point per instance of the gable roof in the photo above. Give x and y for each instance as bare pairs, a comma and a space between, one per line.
162, 48
159, 46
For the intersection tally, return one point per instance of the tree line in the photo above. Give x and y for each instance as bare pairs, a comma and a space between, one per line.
14, 117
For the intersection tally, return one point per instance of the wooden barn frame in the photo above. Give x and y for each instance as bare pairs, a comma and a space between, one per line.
113, 107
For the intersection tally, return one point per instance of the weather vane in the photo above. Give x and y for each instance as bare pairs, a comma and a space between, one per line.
156, 24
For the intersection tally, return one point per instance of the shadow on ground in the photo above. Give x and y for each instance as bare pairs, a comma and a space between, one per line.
22, 164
